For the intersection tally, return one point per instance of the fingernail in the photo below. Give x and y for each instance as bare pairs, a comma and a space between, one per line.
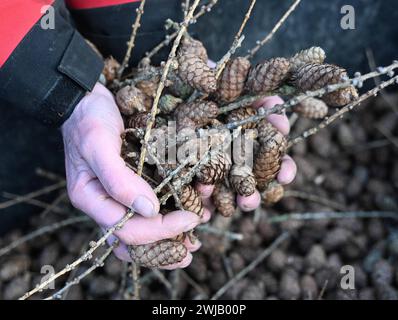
144, 206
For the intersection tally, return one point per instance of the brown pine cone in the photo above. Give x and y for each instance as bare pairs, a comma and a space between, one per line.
215, 170
273, 194
158, 254
242, 180
341, 97
310, 55
139, 120
131, 100
190, 200
196, 73
200, 112
314, 76
178, 87
195, 47
224, 200
268, 75
269, 157
243, 113
233, 78
111, 66
312, 108
168, 103
148, 87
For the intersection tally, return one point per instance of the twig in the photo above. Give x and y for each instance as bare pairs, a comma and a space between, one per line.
314, 198
185, 7
37, 203
338, 114
373, 67
99, 262
159, 90
230, 283
48, 175
388, 135
163, 279
323, 290
238, 39
43, 230
33, 194
261, 43
86, 256
224, 60
169, 38
227, 234
194, 284
320, 92
172, 174
333, 215
135, 277
131, 42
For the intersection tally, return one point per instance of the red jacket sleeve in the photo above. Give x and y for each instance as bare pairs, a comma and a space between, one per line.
16, 19
46, 66
91, 4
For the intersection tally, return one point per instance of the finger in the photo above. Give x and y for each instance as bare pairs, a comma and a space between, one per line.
249, 203
205, 190
209, 205
206, 215
183, 264
92, 198
288, 170
120, 251
121, 183
279, 121
192, 247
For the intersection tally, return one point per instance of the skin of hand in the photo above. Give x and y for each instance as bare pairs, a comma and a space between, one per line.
100, 184
288, 167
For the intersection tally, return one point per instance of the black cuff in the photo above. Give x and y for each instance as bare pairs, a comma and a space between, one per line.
49, 72
109, 28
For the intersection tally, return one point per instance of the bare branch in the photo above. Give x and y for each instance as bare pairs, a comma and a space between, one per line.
261, 43
131, 42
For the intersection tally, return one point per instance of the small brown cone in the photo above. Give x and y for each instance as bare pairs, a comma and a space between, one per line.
215, 170
131, 100
190, 200
314, 76
269, 157
224, 200
268, 75
241, 114
148, 87
200, 112
195, 47
312, 108
158, 254
233, 78
273, 194
310, 55
168, 103
139, 120
196, 73
111, 66
242, 180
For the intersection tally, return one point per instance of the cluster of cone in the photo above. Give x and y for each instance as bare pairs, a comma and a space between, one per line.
305, 71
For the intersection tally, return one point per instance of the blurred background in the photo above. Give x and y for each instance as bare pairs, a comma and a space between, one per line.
350, 167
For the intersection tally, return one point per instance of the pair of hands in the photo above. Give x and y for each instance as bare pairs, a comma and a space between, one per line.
100, 184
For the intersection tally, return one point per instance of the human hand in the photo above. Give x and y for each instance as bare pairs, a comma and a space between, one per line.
288, 168
100, 184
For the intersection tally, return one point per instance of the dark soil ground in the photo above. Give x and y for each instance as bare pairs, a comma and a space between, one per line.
350, 167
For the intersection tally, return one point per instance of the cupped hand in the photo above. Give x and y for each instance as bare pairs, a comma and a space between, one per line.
288, 168
100, 184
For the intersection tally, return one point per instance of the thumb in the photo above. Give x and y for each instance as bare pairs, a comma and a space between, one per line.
120, 182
